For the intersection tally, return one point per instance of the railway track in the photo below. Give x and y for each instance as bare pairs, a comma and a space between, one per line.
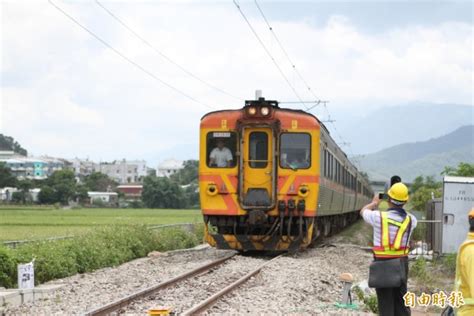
192, 292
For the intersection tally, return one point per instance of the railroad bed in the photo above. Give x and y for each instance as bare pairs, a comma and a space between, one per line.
305, 283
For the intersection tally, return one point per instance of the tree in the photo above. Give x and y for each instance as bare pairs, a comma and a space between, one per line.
187, 175
464, 169
427, 182
424, 189
7, 179
18, 197
191, 195
63, 183
364, 175
81, 192
424, 194
162, 193
98, 181
8, 143
25, 186
47, 195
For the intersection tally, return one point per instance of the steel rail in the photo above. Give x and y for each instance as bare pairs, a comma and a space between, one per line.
124, 301
207, 303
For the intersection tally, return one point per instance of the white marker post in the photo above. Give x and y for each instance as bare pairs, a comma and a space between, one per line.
26, 275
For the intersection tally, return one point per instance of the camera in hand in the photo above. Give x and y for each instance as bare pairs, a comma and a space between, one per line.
382, 196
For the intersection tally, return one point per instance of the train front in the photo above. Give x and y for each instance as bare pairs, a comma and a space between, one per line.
259, 177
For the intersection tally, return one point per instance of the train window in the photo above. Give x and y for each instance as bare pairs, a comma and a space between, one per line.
221, 149
295, 151
322, 157
326, 163
331, 167
258, 150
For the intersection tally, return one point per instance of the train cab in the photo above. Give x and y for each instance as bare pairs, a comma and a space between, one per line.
259, 177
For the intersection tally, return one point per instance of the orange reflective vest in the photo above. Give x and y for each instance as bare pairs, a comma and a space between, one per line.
389, 249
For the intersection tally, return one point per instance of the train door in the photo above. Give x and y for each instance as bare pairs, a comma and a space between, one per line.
257, 172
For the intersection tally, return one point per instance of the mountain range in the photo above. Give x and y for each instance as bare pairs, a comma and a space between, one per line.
380, 128
429, 157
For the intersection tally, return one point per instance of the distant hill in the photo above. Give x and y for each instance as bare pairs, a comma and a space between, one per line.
9, 143
390, 126
421, 158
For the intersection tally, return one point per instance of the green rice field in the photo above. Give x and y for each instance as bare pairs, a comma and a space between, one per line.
20, 223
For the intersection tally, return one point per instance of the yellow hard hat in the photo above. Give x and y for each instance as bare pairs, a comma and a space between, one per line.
398, 192
471, 213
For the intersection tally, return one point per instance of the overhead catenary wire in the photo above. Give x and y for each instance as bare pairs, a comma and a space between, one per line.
166, 57
287, 56
342, 141
269, 54
149, 73
285, 52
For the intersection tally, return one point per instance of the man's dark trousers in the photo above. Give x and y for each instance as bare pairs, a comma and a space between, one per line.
390, 300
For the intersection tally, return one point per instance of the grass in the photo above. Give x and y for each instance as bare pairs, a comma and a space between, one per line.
430, 276
104, 247
20, 223
359, 233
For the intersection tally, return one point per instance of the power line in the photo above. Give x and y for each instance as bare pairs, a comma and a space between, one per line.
141, 38
152, 75
268, 53
342, 141
286, 53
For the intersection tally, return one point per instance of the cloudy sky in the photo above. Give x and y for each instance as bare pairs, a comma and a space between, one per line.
65, 94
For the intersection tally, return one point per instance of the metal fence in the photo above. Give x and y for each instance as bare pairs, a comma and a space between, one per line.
426, 239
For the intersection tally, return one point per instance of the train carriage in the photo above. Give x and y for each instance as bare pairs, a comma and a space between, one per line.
273, 179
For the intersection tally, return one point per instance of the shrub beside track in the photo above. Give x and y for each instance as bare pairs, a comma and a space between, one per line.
105, 247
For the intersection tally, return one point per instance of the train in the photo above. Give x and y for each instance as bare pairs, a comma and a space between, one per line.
273, 179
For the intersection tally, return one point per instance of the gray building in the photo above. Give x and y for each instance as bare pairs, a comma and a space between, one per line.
123, 171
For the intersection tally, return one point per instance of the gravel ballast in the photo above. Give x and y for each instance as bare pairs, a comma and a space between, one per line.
87, 291
306, 283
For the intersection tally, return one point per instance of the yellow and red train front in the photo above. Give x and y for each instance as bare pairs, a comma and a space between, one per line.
259, 177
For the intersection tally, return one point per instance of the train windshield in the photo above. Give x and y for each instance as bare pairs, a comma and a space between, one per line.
221, 149
258, 150
295, 151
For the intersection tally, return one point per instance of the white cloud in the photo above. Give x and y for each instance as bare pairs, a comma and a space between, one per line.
65, 94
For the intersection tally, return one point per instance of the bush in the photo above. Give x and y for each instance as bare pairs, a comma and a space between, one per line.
46, 195
135, 204
7, 268
449, 262
98, 202
18, 197
108, 246
419, 271
370, 301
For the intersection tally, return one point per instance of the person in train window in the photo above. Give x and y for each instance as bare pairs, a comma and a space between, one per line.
221, 156
296, 162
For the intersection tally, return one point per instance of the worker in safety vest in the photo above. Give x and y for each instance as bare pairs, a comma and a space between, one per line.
465, 270
392, 231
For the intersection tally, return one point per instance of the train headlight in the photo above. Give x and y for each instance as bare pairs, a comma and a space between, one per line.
252, 110
265, 111
303, 191
211, 189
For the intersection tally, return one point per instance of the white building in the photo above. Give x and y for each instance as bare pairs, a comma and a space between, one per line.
83, 167
6, 154
123, 171
6, 193
105, 197
169, 167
